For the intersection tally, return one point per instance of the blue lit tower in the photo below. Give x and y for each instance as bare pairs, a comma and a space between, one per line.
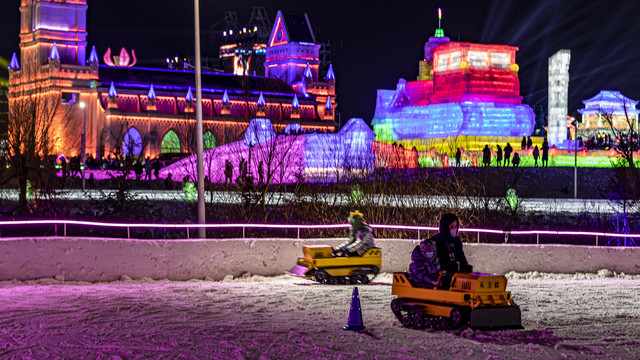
293, 57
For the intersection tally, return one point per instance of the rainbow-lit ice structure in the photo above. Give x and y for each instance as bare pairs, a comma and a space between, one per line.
465, 91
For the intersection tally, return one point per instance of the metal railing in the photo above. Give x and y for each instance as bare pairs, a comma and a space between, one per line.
62, 225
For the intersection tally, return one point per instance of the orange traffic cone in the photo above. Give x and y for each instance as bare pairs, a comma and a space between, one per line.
354, 322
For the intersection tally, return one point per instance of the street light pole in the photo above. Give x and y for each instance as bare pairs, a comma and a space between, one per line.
84, 139
199, 145
575, 164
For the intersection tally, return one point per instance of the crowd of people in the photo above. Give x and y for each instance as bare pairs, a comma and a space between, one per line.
144, 169
504, 158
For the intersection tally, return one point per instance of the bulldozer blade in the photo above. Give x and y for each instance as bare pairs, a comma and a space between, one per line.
494, 318
298, 270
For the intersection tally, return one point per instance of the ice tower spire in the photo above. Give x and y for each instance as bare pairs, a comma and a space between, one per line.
328, 106
190, 95
439, 32
152, 93
54, 52
295, 104
14, 62
330, 74
225, 97
112, 90
93, 56
307, 72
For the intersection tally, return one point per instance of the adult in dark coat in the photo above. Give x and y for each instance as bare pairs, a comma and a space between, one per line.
486, 156
499, 156
507, 154
424, 270
449, 249
545, 153
536, 155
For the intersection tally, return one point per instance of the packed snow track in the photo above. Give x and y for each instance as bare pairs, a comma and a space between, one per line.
571, 316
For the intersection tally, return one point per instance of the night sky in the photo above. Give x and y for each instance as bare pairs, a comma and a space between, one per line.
383, 41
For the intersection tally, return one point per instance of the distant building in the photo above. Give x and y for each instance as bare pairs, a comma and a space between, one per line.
145, 111
620, 108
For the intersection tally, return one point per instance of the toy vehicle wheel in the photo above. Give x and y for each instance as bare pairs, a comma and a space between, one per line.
443, 323
364, 279
396, 305
407, 319
418, 321
332, 281
321, 276
342, 280
455, 318
429, 322
353, 280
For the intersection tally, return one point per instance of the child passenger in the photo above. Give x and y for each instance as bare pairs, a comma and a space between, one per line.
360, 238
424, 270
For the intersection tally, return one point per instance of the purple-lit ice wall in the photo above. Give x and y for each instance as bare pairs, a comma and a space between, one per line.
449, 119
328, 155
282, 158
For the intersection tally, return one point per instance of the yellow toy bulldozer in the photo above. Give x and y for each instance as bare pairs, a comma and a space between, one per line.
477, 300
320, 265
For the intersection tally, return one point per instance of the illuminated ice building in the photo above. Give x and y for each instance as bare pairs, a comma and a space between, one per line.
466, 95
135, 110
621, 111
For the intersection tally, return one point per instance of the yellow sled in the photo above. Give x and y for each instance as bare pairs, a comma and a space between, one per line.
320, 265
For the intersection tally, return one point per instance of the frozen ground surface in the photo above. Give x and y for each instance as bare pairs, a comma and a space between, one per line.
578, 316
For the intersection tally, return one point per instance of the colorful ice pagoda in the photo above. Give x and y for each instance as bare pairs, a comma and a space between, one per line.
621, 110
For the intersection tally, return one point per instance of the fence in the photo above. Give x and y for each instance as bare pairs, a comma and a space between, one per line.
60, 227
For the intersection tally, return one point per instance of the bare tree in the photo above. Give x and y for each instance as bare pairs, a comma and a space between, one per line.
37, 124
4, 109
624, 128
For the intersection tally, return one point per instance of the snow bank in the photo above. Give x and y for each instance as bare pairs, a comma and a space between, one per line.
91, 260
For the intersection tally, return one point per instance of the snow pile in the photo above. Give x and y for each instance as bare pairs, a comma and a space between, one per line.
82, 259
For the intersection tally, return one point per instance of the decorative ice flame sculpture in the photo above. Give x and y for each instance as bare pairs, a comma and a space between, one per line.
123, 60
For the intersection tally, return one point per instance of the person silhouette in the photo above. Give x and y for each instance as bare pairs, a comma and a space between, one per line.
507, 154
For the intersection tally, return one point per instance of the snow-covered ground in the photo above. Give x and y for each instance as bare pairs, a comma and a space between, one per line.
565, 316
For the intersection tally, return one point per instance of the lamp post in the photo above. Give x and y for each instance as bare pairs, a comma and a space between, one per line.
575, 164
199, 145
84, 139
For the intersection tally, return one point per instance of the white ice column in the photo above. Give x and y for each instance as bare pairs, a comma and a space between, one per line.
558, 96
